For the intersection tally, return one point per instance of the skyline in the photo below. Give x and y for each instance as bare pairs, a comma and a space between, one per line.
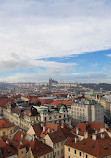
68, 40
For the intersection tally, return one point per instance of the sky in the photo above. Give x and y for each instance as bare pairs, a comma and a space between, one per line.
67, 40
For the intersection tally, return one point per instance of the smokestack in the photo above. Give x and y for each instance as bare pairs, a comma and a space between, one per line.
75, 139
102, 135
62, 125
43, 128
94, 136
86, 134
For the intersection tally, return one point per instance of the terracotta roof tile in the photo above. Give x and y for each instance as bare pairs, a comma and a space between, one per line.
5, 124
98, 148
39, 148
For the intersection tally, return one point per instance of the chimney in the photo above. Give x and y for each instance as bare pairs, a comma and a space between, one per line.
102, 135
21, 142
48, 130
96, 131
43, 128
77, 130
21, 135
94, 137
62, 125
75, 139
86, 134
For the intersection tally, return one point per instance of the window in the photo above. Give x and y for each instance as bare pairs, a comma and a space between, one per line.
79, 153
21, 152
58, 153
50, 154
62, 150
74, 151
47, 155
68, 156
86, 156
11, 132
55, 146
44, 156
4, 133
69, 149
55, 153
50, 118
45, 118
58, 145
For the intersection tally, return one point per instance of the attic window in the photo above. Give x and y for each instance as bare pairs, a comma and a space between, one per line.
109, 144
84, 143
92, 147
9, 151
105, 147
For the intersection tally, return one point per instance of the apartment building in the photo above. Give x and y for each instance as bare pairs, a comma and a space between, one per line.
85, 110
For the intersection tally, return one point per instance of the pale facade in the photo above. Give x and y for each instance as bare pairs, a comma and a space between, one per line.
42, 117
23, 123
86, 111
57, 147
74, 153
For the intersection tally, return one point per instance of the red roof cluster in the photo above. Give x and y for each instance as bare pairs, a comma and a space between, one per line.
19, 141
100, 147
4, 101
88, 126
58, 102
6, 149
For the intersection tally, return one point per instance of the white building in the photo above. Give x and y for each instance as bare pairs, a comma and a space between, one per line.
86, 111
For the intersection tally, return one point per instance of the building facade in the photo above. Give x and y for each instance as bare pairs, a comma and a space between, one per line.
86, 111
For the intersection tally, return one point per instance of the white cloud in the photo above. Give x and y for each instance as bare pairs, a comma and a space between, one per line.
109, 55
53, 28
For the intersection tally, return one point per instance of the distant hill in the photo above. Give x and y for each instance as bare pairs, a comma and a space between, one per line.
94, 86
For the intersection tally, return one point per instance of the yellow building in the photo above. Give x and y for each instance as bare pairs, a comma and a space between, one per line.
6, 128
97, 145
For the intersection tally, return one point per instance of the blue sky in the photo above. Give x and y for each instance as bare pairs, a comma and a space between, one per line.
68, 40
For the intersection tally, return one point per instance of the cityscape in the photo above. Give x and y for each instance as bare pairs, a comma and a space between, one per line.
55, 79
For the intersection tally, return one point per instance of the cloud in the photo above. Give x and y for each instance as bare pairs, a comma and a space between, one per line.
109, 55
34, 29
54, 28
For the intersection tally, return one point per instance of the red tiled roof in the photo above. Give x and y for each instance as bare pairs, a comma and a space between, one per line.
39, 148
100, 147
37, 128
16, 140
5, 124
57, 102
57, 136
4, 101
45, 101
88, 126
6, 149
51, 127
